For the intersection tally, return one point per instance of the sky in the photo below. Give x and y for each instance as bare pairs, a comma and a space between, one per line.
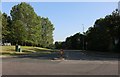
68, 17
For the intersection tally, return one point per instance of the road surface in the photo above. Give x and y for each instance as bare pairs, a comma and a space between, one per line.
28, 66
74, 64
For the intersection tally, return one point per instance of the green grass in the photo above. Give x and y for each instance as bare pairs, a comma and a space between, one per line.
26, 50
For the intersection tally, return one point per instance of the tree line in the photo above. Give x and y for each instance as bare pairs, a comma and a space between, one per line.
103, 36
25, 27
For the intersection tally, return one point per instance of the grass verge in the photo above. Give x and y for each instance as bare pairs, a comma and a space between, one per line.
26, 50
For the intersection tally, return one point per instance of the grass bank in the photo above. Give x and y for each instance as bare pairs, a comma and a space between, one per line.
26, 50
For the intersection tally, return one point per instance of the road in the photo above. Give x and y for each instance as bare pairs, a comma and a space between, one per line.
27, 66
74, 64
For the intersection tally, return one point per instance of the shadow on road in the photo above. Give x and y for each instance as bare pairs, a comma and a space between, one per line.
74, 55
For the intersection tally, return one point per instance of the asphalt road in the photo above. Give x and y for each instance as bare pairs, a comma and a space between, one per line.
75, 63
28, 66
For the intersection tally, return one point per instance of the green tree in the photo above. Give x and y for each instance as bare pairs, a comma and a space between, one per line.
18, 32
32, 29
72, 42
47, 32
0, 27
6, 22
75, 41
58, 45
28, 20
105, 32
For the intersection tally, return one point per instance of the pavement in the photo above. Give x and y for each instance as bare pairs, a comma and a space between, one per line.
75, 63
28, 66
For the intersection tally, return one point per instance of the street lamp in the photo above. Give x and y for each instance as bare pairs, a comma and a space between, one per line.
119, 7
86, 45
83, 36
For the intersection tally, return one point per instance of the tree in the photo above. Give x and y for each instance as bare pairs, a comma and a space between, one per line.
105, 32
58, 45
32, 29
47, 32
6, 22
104, 36
24, 15
18, 32
0, 27
72, 42
75, 41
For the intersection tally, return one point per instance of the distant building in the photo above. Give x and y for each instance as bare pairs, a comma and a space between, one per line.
119, 6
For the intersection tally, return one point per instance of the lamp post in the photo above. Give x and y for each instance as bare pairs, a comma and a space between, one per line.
86, 45
119, 7
83, 36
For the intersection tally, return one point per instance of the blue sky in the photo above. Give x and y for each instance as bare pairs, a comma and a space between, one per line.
68, 17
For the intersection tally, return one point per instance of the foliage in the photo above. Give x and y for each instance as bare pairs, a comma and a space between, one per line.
105, 32
47, 31
72, 42
6, 22
25, 27
104, 36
